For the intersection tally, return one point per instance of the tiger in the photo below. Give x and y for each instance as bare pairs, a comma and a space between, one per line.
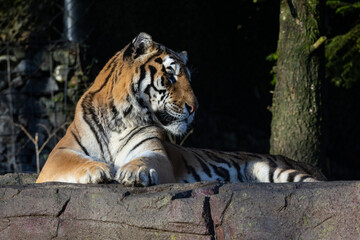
118, 133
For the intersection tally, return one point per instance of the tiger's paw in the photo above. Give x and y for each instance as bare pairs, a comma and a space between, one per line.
137, 174
94, 172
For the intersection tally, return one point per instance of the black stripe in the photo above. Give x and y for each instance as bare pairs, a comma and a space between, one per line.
115, 58
147, 90
222, 172
137, 98
65, 148
253, 155
154, 56
128, 51
130, 135
152, 74
246, 171
237, 167
292, 176
99, 125
79, 143
214, 157
281, 171
115, 79
97, 137
143, 72
127, 110
133, 90
141, 78
203, 165
271, 157
159, 60
110, 63
301, 168
191, 170
143, 141
114, 110
89, 110
272, 167
140, 50
290, 164
163, 96
141, 103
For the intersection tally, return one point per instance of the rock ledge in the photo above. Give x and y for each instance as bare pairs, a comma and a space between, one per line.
205, 210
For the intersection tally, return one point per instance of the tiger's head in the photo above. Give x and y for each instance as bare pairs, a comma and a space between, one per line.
156, 84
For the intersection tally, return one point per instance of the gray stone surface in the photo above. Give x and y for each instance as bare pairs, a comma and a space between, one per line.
207, 210
17, 178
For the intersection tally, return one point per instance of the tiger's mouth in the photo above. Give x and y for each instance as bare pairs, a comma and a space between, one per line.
166, 119
175, 125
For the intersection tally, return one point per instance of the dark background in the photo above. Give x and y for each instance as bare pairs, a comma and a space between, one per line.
227, 43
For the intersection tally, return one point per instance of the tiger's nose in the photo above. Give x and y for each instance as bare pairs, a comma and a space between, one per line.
190, 108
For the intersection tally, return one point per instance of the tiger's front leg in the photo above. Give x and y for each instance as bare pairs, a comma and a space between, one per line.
146, 171
67, 165
141, 159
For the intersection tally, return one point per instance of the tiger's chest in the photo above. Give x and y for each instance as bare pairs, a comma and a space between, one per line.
134, 142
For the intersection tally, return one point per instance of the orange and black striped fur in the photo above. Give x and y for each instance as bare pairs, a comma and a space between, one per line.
118, 130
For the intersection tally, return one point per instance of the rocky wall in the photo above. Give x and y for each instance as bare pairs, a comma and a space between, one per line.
206, 210
38, 90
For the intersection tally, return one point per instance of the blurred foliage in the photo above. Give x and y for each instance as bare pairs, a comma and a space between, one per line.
343, 50
272, 57
15, 18
343, 7
19, 19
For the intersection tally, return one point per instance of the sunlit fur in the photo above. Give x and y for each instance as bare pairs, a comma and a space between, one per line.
118, 129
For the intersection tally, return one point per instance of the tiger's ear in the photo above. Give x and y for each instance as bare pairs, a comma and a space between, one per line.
142, 44
183, 56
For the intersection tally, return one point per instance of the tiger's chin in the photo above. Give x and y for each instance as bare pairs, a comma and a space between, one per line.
177, 128
174, 125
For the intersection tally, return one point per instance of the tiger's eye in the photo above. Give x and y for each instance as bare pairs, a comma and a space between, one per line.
171, 78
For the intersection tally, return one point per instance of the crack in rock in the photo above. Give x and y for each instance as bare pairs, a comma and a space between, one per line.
323, 221
287, 200
63, 208
226, 208
132, 226
208, 218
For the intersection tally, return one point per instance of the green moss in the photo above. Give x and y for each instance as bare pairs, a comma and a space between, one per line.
305, 221
326, 231
164, 201
302, 197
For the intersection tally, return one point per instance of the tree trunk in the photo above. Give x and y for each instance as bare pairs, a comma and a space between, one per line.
296, 128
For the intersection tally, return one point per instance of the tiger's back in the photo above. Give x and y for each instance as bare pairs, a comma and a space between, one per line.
119, 124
